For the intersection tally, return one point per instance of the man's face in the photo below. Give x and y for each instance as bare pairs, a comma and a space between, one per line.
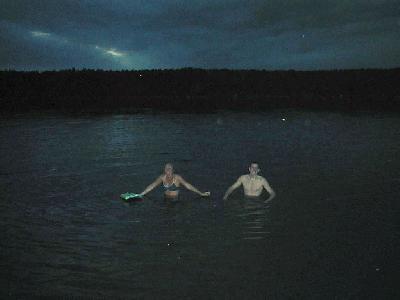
254, 169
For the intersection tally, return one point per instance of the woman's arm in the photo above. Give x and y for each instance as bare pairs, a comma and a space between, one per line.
152, 185
190, 187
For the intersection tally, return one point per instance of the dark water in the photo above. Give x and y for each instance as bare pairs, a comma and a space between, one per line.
332, 232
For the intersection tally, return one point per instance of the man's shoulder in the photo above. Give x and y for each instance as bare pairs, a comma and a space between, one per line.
261, 178
245, 176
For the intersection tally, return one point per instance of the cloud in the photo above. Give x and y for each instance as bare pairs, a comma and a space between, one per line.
40, 34
294, 34
25, 49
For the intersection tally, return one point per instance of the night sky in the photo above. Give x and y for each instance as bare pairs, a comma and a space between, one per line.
236, 34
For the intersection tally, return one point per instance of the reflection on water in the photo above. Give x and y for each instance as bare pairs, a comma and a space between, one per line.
252, 216
330, 230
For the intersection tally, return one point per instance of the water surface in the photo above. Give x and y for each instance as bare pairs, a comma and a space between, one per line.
332, 231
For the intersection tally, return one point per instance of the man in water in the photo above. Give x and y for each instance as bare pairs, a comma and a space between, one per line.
253, 184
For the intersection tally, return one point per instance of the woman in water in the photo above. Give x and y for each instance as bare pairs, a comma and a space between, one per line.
171, 183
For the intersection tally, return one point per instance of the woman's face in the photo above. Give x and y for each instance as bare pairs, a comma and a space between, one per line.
168, 169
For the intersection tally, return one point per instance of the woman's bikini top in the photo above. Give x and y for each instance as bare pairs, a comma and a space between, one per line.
171, 187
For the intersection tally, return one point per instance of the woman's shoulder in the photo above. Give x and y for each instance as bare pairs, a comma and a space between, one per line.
177, 177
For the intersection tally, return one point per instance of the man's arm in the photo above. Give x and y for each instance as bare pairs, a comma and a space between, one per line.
152, 185
269, 189
191, 187
233, 187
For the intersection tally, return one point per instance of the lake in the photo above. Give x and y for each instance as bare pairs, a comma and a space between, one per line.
331, 232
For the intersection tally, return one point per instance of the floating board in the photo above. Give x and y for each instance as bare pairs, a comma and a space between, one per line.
131, 196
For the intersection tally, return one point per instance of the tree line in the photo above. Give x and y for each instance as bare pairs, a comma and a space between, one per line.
198, 90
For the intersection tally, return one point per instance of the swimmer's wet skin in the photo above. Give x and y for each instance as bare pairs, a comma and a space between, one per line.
252, 183
171, 190
171, 183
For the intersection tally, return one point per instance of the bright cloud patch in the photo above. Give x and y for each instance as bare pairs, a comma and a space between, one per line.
114, 52
40, 34
110, 51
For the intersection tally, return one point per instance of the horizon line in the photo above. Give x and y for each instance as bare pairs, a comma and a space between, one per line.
195, 68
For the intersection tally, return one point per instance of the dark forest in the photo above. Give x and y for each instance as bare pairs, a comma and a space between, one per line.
198, 90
